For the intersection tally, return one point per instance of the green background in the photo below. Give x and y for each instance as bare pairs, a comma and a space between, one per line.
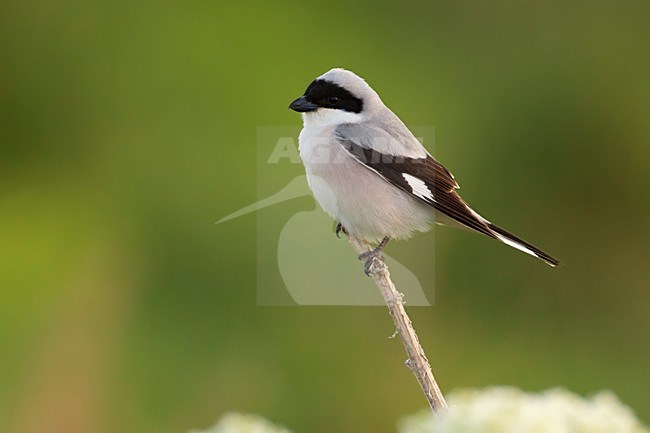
128, 128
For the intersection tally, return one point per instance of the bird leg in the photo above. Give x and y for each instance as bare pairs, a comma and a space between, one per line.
339, 229
369, 256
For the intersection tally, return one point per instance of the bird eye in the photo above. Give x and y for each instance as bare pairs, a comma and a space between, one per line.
333, 100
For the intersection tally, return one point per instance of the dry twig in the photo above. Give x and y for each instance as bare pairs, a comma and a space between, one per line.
417, 362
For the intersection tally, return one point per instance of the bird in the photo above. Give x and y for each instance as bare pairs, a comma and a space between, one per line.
368, 171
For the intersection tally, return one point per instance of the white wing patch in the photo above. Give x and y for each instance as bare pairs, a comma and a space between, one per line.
418, 187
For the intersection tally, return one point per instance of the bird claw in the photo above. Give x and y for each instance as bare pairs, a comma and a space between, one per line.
367, 255
370, 256
339, 229
369, 260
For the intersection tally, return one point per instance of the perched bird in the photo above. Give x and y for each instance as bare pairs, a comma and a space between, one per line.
369, 172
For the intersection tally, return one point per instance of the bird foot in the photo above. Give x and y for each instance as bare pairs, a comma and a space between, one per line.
369, 258
339, 229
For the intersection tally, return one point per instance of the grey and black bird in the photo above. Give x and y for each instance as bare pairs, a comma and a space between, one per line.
369, 172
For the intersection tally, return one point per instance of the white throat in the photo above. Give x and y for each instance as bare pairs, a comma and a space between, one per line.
329, 116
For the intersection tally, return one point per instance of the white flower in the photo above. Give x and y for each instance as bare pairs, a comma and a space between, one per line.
241, 423
510, 410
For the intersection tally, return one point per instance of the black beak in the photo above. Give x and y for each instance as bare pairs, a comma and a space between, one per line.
302, 105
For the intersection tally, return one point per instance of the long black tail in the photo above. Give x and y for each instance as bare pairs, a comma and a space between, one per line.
515, 242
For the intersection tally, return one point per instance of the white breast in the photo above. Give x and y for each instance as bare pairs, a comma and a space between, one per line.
351, 193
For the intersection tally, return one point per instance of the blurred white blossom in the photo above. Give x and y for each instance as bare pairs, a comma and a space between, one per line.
242, 423
493, 410
510, 410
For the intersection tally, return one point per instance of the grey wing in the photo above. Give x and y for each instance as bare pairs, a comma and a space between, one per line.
423, 177
388, 136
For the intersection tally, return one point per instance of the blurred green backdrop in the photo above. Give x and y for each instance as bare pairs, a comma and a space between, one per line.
127, 129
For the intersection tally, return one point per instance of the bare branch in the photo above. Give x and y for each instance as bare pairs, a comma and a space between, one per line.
417, 361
